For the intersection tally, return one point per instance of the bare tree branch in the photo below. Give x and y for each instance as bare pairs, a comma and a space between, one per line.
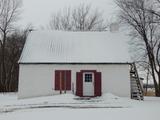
81, 18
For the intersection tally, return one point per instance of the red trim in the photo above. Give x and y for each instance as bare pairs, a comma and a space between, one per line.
79, 84
88, 71
97, 84
57, 80
68, 84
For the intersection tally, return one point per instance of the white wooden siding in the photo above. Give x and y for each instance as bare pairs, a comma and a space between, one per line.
38, 79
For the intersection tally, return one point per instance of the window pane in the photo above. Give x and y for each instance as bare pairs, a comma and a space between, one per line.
88, 77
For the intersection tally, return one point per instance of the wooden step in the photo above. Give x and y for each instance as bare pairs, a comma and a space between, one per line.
132, 72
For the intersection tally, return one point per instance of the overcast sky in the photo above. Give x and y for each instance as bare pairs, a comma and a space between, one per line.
38, 12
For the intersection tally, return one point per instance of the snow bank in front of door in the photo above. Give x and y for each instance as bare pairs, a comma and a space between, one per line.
11, 103
137, 110
110, 96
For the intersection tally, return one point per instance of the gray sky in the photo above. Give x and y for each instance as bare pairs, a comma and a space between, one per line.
38, 12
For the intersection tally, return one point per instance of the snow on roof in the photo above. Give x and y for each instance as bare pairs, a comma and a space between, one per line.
75, 47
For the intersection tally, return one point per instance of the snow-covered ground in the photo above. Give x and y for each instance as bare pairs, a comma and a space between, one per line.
70, 107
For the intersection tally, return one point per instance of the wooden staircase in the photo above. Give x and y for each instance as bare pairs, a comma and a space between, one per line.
136, 87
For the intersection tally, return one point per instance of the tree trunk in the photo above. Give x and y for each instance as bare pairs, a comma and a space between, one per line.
153, 68
158, 92
147, 81
3, 63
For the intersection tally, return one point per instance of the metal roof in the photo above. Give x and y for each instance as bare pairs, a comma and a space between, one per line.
75, 47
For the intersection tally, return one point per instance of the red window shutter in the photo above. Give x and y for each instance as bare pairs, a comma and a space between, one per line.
97, 84
79, 84
68, 80
57, 80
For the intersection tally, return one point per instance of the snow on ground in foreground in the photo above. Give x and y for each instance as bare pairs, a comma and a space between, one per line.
68, 106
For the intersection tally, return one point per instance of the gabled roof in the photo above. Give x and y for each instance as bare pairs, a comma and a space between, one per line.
75, 47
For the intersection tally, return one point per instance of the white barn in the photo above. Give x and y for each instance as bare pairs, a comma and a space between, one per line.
82, 63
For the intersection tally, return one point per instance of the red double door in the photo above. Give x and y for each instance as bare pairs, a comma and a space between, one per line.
63, 80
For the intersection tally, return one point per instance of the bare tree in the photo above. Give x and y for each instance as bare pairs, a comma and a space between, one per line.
144, 27
9, 12
14, 46
81, 18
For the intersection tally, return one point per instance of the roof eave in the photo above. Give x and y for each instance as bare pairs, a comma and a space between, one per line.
74, 63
